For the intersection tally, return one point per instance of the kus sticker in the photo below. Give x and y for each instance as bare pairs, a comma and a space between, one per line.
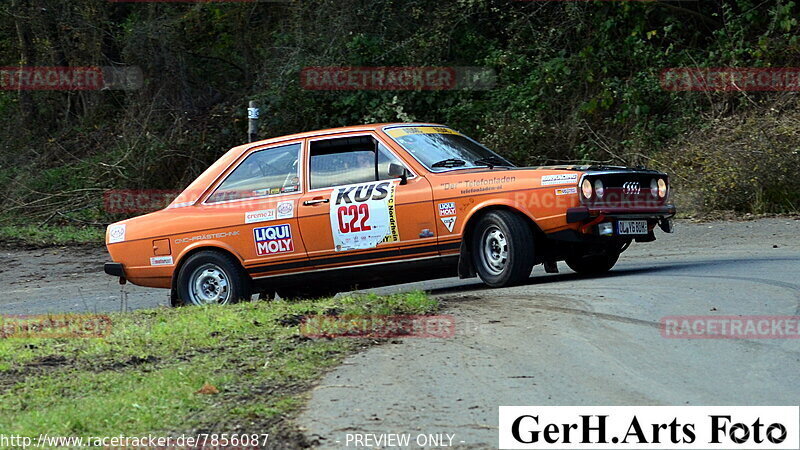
363, 215
273, 240
564, 178
447, 209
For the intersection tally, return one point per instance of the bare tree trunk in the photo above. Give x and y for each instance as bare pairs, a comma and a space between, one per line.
27, 55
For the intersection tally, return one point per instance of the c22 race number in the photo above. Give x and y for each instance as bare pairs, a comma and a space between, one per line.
353, 218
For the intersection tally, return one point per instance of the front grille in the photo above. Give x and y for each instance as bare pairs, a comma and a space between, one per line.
626, 189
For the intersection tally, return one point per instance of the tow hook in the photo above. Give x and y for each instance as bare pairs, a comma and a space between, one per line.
667, 225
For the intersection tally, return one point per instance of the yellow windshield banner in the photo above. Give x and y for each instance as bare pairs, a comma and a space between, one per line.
405, 131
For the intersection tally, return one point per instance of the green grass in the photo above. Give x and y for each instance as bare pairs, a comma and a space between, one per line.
143, 377
51, 235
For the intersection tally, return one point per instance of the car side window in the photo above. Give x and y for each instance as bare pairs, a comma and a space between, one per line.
271, 171
350, 160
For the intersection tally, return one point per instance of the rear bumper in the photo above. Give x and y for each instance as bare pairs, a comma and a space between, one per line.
582, 213
114, 269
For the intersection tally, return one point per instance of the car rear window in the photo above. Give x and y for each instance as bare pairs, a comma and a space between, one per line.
271, 171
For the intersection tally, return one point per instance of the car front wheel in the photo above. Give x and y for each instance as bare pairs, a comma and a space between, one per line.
502, 249
212, 278
594, 264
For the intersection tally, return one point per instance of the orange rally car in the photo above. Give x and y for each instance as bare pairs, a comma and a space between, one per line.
314, 213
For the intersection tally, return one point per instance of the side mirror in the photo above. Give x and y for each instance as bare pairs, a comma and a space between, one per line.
398, 171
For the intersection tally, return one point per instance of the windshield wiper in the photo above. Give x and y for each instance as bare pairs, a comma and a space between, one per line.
490, 161
452, 162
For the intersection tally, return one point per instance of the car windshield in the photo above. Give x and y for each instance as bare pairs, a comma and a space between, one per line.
440, 148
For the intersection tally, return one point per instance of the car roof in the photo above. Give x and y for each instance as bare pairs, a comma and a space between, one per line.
356, 128
192, 192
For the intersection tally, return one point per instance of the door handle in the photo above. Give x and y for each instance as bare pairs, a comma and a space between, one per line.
316, 201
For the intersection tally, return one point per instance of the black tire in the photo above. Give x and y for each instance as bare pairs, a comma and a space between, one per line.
596, 264
502, 249
211, 277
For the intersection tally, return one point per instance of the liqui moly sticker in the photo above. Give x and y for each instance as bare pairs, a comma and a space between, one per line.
265, 215
273, 240
564, 178
447, 209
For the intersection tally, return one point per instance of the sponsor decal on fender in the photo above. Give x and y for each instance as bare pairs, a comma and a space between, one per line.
449, 222
204, 237
565, 178
363, 215
264, 215
447, 209
116, 233
567, 191
273, 239
161, 261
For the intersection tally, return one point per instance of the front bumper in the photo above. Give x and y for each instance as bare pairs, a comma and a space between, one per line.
582, 213
114, 269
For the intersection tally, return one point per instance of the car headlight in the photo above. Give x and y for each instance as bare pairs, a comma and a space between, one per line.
654, 187
586, 188
662, 188
599, 189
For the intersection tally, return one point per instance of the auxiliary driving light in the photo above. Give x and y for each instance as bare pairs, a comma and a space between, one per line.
599, 188
586, 188
662, 188
654, 187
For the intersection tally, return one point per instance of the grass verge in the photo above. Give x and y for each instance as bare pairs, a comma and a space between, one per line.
145, 376
33, 235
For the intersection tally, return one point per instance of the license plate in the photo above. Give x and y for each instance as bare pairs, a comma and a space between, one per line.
632, 227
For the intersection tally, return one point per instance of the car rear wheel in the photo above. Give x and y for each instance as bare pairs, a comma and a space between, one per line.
594, 264
502, 249
212, 278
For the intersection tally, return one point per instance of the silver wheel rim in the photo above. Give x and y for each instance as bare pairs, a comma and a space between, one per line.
209, 285
495, 250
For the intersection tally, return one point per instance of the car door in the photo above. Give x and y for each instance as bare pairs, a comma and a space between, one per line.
261, 195
354, 213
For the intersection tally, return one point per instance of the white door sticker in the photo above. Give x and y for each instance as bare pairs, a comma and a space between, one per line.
449, 222
116, 233
362, 215
161, 261
286, 209
264, 215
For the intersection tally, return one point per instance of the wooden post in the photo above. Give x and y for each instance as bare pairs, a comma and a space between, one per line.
252, 121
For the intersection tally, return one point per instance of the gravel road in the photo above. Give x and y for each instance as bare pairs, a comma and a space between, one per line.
558, 340
566, 340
